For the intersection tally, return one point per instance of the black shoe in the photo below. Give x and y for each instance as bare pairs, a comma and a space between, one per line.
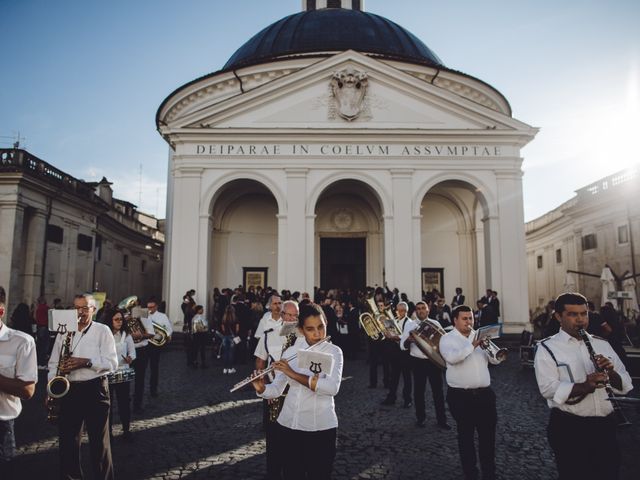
388, 401
444, 426
420, 423
407, 404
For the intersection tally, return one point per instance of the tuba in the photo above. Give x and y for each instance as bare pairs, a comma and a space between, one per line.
59, 385
378, 325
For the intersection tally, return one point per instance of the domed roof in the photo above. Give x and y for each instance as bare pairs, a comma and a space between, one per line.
333, 30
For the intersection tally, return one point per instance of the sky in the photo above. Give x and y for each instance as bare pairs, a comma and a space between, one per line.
82, 79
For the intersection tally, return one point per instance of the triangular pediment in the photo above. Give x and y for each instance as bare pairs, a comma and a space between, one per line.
304, 99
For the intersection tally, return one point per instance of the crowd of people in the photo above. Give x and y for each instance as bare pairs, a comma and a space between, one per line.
298, 373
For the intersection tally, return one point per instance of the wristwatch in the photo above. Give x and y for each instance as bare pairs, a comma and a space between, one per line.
89, 364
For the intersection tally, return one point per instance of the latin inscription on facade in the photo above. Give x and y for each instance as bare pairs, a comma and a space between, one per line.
343, 149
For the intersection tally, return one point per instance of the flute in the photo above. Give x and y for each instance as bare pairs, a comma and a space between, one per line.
269, 369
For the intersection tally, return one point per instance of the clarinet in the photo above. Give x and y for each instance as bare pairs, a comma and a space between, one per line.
617, 410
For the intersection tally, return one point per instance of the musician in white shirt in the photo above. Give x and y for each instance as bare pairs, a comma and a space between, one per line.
582, 423
308, 418
422, 368
141, 343
93, 356
162, 320
126, 354
18, 377
471, 400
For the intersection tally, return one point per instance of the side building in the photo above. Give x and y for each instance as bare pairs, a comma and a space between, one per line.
60, 235
599, 226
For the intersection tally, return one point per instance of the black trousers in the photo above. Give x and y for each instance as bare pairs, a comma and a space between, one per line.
310, 455
377, 358
140, 366
400, 365
88, 403
120, 393
584, 447
275, 452
154, 364
423, 369
475, 410
200, 340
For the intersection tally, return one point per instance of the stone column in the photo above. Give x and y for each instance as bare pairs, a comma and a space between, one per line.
184, 264
296, 245
310, 261
400, 264
202, 284
283, 236
416, 294
11, 217
513, 293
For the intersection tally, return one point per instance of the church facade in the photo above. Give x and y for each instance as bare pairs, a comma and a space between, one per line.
343, 159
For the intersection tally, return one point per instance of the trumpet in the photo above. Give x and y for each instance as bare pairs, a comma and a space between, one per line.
270, 368
493, 350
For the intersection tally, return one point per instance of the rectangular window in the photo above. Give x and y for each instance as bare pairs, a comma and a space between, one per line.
589, 242
98, 247
623, 234
55, 234
559, 255
125, 261
539, 259
311, 5
85, 243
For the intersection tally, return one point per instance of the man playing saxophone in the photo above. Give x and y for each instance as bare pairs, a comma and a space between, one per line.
582, 422
92, 355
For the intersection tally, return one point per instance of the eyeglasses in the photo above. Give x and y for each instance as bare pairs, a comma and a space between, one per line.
295, 315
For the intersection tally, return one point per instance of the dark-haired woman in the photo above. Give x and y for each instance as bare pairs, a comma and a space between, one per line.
126, 354
308, 418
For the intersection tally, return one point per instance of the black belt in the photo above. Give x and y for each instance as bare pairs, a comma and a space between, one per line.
96, 380
470, 391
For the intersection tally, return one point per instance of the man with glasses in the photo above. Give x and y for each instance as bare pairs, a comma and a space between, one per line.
92, 356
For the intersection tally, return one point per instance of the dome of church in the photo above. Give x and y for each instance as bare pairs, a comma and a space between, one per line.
330, 30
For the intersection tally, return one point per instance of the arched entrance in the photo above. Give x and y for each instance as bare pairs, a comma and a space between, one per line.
243, 243
453, 238
349, 236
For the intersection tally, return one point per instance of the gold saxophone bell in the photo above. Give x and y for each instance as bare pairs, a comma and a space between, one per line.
58, 386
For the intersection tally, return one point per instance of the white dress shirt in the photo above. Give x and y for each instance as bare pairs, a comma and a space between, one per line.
467, 366
124, 348
410, 326
556, 382
303, 408
162, 320
96, 343
17, 360
274, 341
148, 327
265, 323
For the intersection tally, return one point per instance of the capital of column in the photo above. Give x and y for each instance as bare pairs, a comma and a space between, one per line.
296, 172
401, 173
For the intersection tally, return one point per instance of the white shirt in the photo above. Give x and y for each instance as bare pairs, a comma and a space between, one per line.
555, 383
148, 327
410, 326
274, 340
266, 322
467, 366
17, 360
96, 343
303, 408
124, 348
162, 320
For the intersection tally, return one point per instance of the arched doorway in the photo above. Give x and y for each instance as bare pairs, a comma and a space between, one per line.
349, 236
243, 247
453, 238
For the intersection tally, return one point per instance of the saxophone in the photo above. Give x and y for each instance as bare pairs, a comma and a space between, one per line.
275, 405
59, 385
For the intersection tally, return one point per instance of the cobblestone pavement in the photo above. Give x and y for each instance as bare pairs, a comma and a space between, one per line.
197, 429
